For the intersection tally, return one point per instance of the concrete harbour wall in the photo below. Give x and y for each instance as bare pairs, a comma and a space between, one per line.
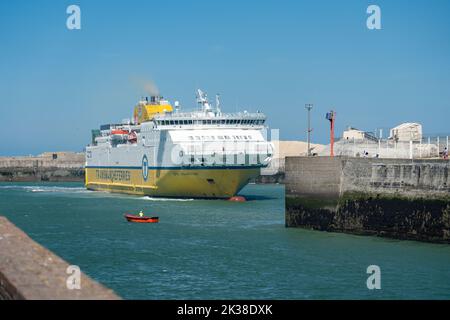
65, 167
398, 198
29, 271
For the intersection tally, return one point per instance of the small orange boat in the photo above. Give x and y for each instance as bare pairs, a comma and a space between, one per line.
144, 219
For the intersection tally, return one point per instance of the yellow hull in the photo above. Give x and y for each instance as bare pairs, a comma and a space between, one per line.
181, 182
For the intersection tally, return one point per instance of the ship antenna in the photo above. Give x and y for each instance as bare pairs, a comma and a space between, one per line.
218, 103
202, 99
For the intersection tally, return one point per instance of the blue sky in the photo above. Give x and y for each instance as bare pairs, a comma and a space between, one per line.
275, 56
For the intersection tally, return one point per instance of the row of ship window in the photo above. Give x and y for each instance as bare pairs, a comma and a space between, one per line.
221, 121
219, 137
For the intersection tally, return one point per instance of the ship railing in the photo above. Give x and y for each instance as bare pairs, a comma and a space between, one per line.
205, 116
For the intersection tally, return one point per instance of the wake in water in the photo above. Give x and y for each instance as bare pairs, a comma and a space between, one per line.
57, 189
47, 189
165, 199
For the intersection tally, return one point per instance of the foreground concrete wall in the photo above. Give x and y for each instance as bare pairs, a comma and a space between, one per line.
29, 271
407, 199
67, 167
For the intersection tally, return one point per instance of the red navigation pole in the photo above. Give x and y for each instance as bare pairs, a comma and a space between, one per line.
331, 117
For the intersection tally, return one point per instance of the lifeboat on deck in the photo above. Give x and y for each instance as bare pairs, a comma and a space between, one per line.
143, 219
119, 131
119, 135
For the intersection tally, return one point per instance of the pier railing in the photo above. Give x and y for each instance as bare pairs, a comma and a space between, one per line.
426, 148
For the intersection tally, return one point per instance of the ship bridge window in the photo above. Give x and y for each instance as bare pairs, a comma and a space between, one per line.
227, 137
220, 137
191, 138
197, 137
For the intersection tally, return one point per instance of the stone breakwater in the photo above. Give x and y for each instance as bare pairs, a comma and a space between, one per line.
397, 198
29, 271
60, 166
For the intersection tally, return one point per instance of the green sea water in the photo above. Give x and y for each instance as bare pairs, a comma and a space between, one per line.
214, 249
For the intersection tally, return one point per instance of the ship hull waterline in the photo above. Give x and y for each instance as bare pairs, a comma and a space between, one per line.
213, 183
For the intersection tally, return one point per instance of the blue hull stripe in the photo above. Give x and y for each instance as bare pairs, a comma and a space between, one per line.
177, 168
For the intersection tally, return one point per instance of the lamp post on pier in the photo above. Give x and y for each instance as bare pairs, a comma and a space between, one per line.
308, 107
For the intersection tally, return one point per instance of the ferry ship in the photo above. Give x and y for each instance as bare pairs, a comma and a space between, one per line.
164, 152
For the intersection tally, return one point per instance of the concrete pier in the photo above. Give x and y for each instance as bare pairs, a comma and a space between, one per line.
57, 166
29, 271
398, 198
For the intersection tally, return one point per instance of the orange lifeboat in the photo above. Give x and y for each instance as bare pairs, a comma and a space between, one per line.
144, 219
119, 131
